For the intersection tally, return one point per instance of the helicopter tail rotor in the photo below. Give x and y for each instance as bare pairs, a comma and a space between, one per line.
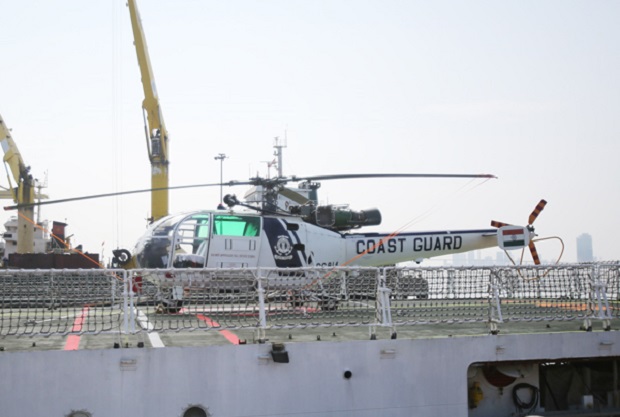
534, 253
533, 216
510, 231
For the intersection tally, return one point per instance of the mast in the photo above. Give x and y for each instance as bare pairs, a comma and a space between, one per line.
278, 145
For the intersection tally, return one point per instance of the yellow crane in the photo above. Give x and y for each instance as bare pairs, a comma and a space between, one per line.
23, 193
155, 129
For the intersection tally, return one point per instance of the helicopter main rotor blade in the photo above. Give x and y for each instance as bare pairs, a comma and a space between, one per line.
356, 176
119, 193
266, 182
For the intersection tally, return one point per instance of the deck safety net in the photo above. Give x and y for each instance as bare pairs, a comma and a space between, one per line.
61, 302
47, 302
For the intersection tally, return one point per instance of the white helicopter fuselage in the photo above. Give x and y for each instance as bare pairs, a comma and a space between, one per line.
227, 239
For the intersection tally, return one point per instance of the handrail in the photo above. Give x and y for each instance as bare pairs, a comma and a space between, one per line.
47, 302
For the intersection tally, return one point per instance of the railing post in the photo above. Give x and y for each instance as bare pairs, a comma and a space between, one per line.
494, 320
132, 310
262, 313
129, 320
384, 312
125, 303
590, 290
600, 289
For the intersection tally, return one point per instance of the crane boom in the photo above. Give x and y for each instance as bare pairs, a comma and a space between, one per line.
23, 193
155, 128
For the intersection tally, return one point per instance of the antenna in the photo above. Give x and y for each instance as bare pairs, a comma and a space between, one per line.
269, 165
220, 157
278, 145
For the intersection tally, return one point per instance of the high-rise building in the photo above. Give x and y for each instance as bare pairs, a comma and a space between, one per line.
584, 248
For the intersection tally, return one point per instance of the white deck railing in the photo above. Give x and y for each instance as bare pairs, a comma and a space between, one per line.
61, 302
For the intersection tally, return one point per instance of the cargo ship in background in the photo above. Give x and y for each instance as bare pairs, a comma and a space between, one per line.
51, 249
27, 240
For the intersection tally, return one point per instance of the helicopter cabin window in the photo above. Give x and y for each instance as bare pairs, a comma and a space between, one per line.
227, 225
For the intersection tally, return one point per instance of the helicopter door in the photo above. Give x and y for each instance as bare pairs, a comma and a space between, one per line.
235, 241
191, 241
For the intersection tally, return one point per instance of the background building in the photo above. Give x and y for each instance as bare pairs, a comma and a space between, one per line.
584, 248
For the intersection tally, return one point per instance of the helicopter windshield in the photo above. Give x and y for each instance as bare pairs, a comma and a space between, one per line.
182, 241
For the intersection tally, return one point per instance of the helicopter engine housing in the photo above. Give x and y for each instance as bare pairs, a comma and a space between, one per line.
342, 218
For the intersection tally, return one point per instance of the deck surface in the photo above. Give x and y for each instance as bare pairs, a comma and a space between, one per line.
192, 327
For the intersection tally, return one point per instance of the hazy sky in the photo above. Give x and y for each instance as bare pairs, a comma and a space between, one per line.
526, 90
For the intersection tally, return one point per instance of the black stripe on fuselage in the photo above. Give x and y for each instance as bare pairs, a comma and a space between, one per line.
430, 233
284, 254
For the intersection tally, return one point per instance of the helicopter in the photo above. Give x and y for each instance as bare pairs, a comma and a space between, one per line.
290, 230
281, 227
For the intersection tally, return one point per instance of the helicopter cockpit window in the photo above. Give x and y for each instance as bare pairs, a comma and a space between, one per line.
228, 225
190, 241
153, 248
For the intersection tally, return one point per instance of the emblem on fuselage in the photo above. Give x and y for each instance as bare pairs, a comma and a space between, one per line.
283, 248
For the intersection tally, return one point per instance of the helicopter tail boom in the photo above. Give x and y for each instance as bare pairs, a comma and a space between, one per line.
383, 249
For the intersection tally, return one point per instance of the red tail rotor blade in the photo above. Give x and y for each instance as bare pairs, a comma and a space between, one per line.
498, 224
534, 253
539, 207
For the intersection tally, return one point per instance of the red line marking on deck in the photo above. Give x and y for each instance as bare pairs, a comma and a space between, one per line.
73, 341
230, 336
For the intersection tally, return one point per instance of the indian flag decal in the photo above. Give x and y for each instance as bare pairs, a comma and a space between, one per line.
512, 237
